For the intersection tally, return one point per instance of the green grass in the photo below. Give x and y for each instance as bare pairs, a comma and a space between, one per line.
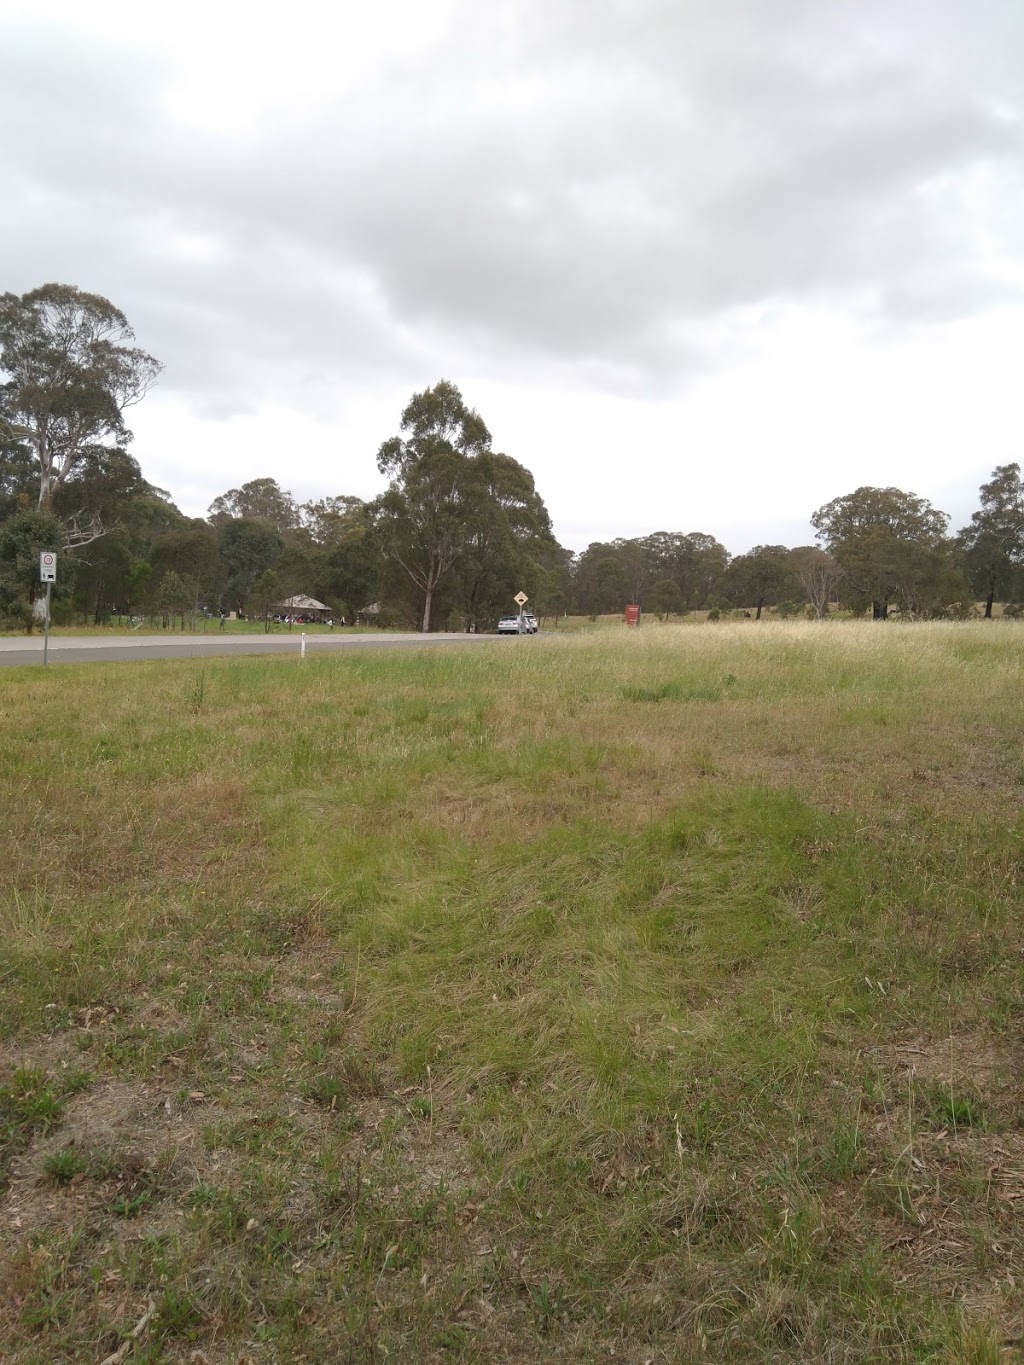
467, 1005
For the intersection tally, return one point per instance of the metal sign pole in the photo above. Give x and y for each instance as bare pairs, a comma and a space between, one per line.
46, 626
47, 575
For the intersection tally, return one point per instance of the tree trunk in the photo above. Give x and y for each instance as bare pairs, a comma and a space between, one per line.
988, 606
43, 456
426, 609
759, 606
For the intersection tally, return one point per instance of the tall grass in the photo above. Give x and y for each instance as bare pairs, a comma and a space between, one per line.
655, 992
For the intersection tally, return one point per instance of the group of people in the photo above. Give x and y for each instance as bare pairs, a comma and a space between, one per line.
289, 620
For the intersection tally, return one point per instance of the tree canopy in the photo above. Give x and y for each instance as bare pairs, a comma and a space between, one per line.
460, 528
69, 372
764, 576
993, 543
261, 500
452, 500
890, 545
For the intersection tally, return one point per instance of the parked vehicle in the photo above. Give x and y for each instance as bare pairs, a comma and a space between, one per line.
509, 625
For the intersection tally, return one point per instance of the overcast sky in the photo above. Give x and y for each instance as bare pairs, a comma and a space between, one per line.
699, 264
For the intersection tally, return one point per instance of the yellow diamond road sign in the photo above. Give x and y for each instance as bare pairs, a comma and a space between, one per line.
521, 599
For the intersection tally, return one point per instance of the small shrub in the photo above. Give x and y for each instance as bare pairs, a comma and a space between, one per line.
958, 611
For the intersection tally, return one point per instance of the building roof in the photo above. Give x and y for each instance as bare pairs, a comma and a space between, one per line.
302, 603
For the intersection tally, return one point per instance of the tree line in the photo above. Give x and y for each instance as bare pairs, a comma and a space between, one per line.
459, 528
881, 551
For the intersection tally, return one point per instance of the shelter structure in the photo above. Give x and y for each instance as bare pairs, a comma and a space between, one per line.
308, 607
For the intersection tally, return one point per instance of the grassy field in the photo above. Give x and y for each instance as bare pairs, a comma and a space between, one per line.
646, 997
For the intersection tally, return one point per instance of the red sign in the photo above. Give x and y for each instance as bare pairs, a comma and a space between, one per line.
632, 615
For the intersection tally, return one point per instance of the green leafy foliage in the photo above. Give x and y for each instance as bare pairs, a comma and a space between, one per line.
892, 548
452, 501
22, 537
993, 542
71, 371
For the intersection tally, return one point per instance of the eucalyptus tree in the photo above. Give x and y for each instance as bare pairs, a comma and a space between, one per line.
247, 550
329, 521
609, 574
993, 543
262, 500
350, 572
16, 469
762, 577
818, 575
510, 545
68, 371
891, 546
422, 521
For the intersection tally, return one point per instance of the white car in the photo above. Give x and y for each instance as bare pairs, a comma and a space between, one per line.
509, 625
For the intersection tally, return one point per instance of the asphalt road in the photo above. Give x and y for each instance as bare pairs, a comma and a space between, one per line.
84, 649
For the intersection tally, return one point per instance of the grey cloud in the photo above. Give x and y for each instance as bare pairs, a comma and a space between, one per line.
574, 186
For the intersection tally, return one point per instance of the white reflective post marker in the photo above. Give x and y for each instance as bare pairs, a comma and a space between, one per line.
302, 646
47, 575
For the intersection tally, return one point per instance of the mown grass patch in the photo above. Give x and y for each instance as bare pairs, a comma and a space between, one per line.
453, 1005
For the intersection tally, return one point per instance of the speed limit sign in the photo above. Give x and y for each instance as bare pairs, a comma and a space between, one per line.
47, 567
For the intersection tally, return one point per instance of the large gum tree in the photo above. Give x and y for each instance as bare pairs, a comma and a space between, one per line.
993, 543
68, 371
891, 546
423, 520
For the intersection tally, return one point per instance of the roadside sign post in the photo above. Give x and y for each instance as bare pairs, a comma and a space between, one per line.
520, 600
47, 575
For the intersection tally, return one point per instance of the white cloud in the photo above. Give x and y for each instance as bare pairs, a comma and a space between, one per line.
701, 266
